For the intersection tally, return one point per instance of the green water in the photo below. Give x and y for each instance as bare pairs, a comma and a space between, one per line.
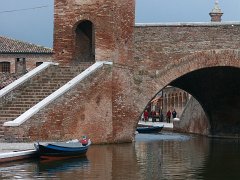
159, 156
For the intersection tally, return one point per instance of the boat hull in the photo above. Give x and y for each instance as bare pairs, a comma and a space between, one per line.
60, 151
152, 129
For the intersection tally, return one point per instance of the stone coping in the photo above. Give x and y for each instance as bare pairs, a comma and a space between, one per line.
227, 23
8, 147
16, 151
18, 155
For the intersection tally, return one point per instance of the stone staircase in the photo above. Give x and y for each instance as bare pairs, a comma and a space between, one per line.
36, 90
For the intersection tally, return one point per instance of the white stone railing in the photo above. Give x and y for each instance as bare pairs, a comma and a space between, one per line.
6, 94
227, 23
32, 111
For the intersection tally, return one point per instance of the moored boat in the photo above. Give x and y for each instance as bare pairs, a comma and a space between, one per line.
73, 148
149, 129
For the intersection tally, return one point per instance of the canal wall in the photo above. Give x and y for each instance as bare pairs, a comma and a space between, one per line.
192, 120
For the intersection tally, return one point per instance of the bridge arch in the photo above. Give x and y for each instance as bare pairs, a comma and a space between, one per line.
212, 77
199, 60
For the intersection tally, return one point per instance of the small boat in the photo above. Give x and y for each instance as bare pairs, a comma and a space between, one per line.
149, 129
56, 150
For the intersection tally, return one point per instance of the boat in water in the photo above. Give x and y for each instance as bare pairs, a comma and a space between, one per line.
56, 150
149, 129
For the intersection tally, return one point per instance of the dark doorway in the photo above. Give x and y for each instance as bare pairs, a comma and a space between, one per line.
84, 42
20, 65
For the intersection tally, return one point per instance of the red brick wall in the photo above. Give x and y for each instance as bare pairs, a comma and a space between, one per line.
113, 25
85, 110
165, 52
158, 46
108, 105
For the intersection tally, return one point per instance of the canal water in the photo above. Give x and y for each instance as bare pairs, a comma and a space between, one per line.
165, 156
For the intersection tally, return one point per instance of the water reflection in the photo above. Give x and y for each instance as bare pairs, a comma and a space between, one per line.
171, 156
53, 167
223, 161
38, 169
158, 156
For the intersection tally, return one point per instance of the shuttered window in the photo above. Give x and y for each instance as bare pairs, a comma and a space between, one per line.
5, 67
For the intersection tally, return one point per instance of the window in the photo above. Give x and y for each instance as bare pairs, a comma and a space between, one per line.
5, 67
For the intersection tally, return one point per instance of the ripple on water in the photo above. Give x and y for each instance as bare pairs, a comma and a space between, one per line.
163, 136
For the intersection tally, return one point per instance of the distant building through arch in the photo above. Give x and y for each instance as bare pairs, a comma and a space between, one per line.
169, 98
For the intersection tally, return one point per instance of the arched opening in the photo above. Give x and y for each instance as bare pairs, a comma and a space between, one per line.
167, 99
217, 89
84, 42
176, 101
185, 99
172, 102
180, 101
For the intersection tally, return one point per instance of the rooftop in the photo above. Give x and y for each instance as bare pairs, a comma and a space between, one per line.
10, 46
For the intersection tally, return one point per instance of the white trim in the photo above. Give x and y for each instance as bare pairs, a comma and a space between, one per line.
16, 154
25, 77
29, 113
227, 23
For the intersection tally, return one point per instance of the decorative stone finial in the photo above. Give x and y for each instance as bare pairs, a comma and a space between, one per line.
216, 13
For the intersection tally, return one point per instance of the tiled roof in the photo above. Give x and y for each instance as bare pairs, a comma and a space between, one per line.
10, 46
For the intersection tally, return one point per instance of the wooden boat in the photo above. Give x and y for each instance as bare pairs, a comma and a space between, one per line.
149, 129
56, 150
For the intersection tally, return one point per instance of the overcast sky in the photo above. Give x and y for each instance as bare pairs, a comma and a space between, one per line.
36, 25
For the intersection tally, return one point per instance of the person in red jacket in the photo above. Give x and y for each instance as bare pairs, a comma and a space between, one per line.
168, 116
84, 140
145, 115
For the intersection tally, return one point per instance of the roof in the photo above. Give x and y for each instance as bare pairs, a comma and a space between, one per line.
12, 46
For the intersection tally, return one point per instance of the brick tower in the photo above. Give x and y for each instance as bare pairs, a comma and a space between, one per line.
93, 30
216, 13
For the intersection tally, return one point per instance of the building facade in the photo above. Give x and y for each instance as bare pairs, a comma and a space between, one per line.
169, 98
18, 57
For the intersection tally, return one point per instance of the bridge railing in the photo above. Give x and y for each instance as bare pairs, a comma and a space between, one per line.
9, 92
32, 111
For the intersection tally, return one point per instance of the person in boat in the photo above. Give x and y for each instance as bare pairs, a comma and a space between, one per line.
84, 140
168, 116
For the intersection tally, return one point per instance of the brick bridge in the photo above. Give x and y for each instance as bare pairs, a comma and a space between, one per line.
202, 59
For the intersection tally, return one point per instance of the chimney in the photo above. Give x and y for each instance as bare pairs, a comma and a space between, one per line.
216, 13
